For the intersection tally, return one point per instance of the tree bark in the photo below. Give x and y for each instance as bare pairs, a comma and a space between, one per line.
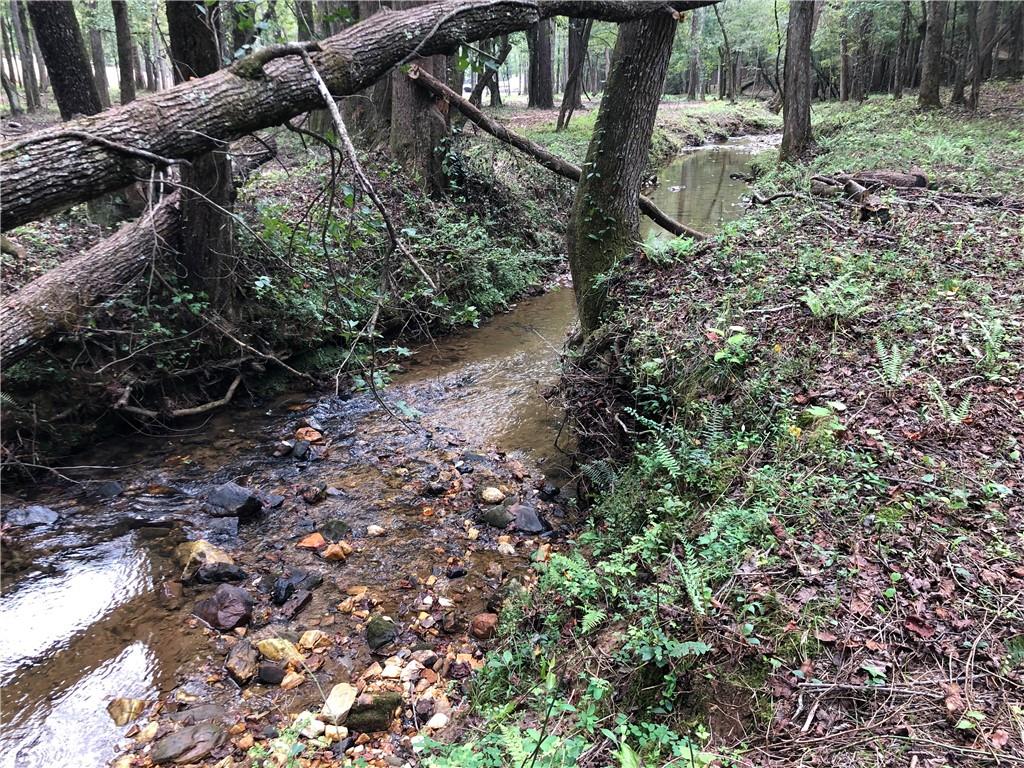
8, 53
605, 219
693, 86
58, 300
12, 95
902, 45
969, 51
489, 78
207, 240
305, 20
796, 106
60, 39
572, 97
550, 161
726, 85
99, 64
46, 171
125, 63
19, 22
844, 68
418, 128
541, 93
931, 56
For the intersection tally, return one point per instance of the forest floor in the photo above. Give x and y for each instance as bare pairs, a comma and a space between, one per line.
805, 442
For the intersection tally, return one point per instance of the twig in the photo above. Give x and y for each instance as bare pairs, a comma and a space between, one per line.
938, 696
179, 413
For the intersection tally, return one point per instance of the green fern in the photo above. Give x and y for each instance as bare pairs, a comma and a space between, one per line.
514, 745
693, 578
661, 457
893, 363
601, 474
591, 619
713, 435
954, 417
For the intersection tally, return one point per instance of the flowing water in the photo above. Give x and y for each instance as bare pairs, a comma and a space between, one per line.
81, 618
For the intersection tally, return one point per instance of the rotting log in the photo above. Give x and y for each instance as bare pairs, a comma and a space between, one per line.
886, 178
49, 170
58, 300
550, 161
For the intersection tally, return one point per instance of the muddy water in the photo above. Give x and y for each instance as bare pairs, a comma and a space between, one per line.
80, 619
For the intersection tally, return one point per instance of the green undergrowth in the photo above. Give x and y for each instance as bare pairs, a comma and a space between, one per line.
804, 463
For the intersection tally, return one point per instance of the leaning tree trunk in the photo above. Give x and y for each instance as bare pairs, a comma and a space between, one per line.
125, 62
52, 169
99, 64
19, 22
542, 89
78, 283
489, 78
931, 56
796, 106
572, 97
8, 52
60, 39
207, 240
605, 220
12, 95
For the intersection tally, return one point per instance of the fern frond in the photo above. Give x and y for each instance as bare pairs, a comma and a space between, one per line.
591, 619
600, 473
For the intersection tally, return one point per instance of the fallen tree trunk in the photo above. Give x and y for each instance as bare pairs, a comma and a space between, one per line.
889, 179
58, 300
550, 161
50, 170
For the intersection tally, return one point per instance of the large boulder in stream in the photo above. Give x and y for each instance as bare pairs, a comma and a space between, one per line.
28, 517
232, 500
229, 607
189, 745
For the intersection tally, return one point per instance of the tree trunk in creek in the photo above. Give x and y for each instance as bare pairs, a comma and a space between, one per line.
47, 171
541, 93
207, 238
60, 39
931, 56
125, 63
605, 220
19, 23
99, 63
796, 106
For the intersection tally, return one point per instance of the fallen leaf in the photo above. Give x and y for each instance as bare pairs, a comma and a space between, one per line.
919, 627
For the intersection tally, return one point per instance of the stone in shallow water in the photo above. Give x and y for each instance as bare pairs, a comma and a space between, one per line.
492, 495
279, 649
270, 674
373, 713
232, 500
497, 517
28, 517
123, 711
193, 555
242, 662
336, 530
526, 519
189, 745
338, 704
229, 607
380, 631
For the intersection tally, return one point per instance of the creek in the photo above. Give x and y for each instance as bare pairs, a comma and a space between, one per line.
83, 615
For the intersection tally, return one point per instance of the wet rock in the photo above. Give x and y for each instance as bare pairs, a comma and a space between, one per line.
108, 489
294, 579
425, 707
279, 649
492, 495
269, 673
242, 662
313, 541
232, 500
201, 713
274, 500
314, 638
497, 517
29, 517
549, 491
218, 573
193, 555
456, 571
337, 552
380, 630
526, 519
336, 530
283, 448
170, 595
435, 489
426, 657
375, 530
313, 494
373, 713
300, 450
222, 528
308, 435
292, 680
123, 711
505, 546
483, 626
339, 703
229, 607
312, 422
189, 745
296, 603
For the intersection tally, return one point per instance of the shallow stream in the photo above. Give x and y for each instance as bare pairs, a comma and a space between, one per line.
82, 620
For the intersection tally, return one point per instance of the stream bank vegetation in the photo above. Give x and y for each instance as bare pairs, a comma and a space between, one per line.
803, 445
